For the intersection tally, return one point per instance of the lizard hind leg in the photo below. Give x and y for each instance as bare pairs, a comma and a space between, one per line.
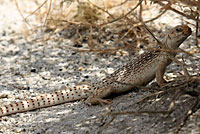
97, 99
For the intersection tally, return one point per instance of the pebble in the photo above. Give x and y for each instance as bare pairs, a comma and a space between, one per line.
30, 68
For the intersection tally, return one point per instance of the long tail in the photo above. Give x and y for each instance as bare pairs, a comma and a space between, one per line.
46, 100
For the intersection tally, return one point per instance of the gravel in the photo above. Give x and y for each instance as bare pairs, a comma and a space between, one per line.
31, 68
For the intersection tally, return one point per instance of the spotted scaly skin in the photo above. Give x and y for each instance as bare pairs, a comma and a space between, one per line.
139, 72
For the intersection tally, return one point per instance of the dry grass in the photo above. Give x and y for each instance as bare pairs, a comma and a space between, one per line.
97, 22
126, 15
124, 18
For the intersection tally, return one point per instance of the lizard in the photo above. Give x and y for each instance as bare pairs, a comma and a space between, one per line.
138, 72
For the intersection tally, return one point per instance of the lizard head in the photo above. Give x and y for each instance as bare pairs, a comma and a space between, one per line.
177, 35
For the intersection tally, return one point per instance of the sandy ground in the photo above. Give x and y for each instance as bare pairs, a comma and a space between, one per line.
30, 68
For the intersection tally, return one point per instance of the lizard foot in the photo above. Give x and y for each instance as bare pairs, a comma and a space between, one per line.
161, 84
96, 100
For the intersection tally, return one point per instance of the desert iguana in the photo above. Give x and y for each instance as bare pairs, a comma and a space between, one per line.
139, 72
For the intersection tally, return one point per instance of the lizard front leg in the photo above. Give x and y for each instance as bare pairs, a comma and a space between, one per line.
160, 72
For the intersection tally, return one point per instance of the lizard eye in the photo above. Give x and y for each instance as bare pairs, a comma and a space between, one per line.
179, 29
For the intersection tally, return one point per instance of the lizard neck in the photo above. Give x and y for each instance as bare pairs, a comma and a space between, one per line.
173, 43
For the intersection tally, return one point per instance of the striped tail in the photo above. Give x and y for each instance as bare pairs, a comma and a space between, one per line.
49, 99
